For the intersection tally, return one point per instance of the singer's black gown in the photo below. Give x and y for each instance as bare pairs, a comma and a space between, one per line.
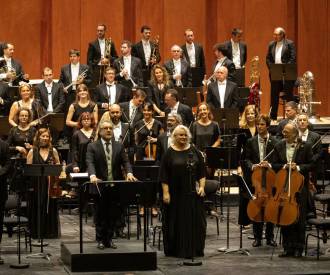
142, 134
177, 216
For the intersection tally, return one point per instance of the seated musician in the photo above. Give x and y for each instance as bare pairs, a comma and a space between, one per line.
178, 68
158, 85
20, 137
146, 132
28, 101
291, 111
174, 106
292, 152
43, 152
257, 149
105, 160
50, 94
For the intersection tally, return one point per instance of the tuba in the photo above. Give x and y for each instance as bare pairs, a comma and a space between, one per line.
306, 91
254, 96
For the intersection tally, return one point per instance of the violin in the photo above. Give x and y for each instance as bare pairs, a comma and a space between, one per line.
262, 181
282, 209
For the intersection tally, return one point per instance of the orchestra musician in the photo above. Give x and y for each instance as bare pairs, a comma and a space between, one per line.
280, 51
28, 101
178, 230
105, 160
20, 138
178, 68
256, 149
12, 69
220, 52
147, 51
291, 111
291, 151
74, 74
50, 94
4, 169
194, 55
43, 152
157, 87
128, 67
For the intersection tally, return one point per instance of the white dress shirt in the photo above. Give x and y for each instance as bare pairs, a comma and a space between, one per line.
278, 52
304, 135
262, 143
236, 54
132, 110
102, 46
111, 89
127, 63
219, 64
117, 131
174, 110
50, 97
74, 74
147, 50
222, 92
191, 54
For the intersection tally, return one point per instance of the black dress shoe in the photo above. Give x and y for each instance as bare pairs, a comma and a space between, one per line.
297, 253
112, 245
271, 243
286, 254
256, 243
1, 261
100, 245
121, 234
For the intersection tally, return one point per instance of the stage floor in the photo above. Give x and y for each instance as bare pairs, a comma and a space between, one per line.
214, 262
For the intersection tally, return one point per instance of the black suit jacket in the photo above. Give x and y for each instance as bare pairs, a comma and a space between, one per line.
4, 169
199, 56
231, 95
94, 53
156, 96
288, 53
137, 51
136, 71
125, 114
57, 96
314, 139
242, 51
66, 76
186, 76
185, 112
19, 71
97, 163
162, 146
230, 67
101, 94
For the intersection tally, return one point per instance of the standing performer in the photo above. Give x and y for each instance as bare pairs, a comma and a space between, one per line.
280, 51
292, 151
220, 51
179, 199
43, 153
105, 160
256, 149
4, 169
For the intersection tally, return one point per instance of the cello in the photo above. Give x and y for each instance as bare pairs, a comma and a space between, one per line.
282, 209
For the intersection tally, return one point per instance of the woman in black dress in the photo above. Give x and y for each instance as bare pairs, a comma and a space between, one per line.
43, 153
20, 137
80, 140
184, 218
146, 132
158, 85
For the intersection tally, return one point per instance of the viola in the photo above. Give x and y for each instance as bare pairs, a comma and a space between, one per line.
282, 209
262, 181
151, 150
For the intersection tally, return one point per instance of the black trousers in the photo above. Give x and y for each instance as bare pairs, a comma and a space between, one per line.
2, 213
275, 88
257, 230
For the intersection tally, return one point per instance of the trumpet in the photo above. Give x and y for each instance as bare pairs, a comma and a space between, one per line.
79, 78
127, 76
207, 81
153, 56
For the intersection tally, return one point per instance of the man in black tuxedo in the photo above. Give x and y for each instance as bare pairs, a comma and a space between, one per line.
101, 52
50, 94
194, 55
4, 168
237, 52
110, 92
222, 93
174, 106
132, 110
280, 51
291, 111
256, 149
292, 150
76, 74
178, 68
105, 160
220, 51
147, 51
164, 139
13, 69
128, 67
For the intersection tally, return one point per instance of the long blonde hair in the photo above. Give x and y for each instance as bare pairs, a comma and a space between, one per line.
243, 122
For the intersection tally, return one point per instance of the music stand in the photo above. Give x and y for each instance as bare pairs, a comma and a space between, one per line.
4, 126
227, 118
240, 77
40, 171
197, 74
283, 72
188, 95
149, 177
